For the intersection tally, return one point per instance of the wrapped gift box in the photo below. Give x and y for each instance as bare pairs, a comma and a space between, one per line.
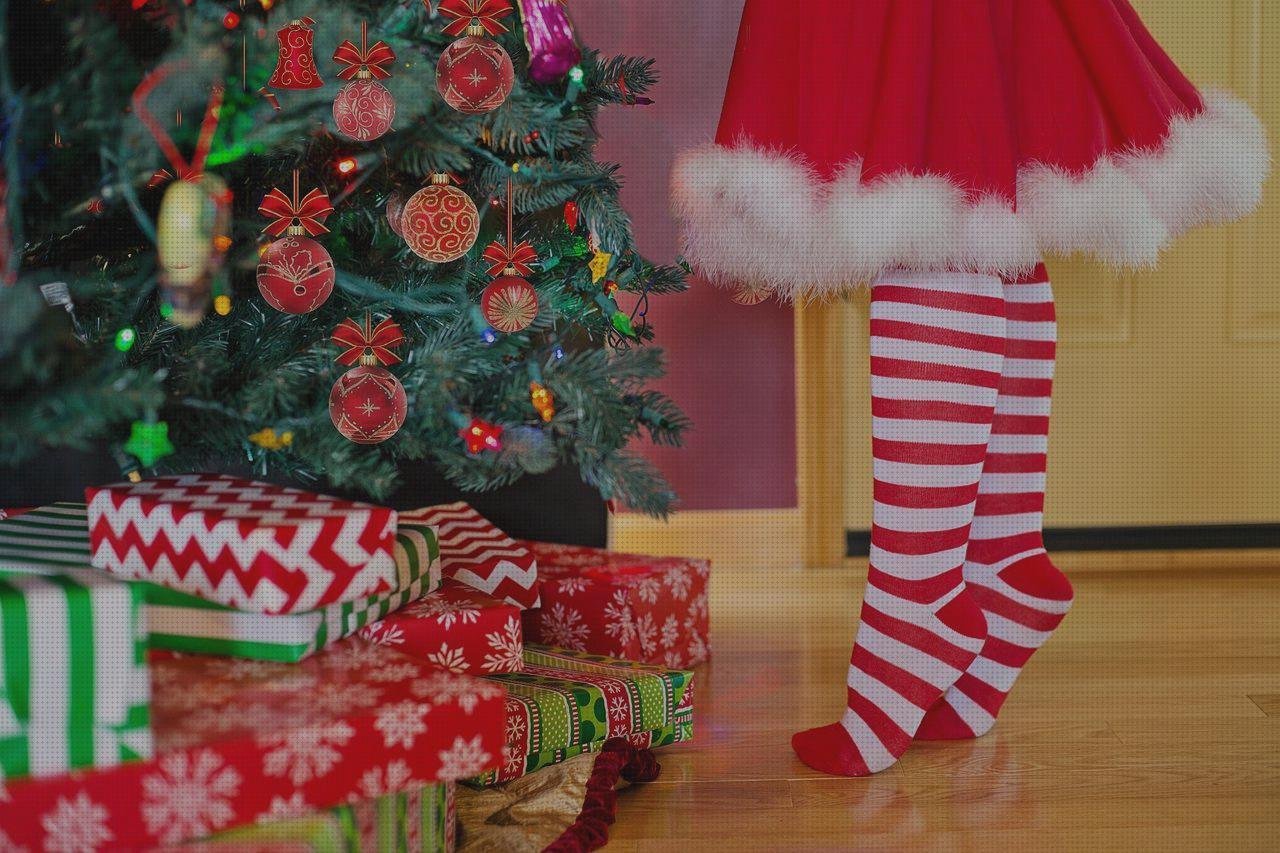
74, 690
423, 820
240, 742
252, 546
480, 555
566, 702
56, 538
649, 609
456, 628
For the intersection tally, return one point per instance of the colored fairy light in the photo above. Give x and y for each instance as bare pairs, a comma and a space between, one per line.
125, 339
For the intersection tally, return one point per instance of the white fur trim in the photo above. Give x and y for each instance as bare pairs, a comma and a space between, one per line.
763, 217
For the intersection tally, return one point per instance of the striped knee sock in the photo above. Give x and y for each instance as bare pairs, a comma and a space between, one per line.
1006, 569
937, 342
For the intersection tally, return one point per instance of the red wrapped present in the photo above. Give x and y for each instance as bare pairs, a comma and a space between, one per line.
241, 741
480, 555
648, 609
250, 546
456, 628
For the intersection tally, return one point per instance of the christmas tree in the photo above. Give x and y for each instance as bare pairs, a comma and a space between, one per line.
106, 341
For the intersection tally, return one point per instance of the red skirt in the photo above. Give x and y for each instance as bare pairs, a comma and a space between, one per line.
862, 135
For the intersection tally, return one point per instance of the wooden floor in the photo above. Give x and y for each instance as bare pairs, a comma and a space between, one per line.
1151, 721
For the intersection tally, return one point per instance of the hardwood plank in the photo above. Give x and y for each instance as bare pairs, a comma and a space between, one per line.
1148, 722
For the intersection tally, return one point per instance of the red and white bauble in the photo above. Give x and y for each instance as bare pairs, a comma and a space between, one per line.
295, 275
440, 222
364, 109
395, 210
368, 405
475, 75
509, 304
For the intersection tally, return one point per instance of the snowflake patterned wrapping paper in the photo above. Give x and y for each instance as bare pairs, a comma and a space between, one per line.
480, 555
241, 742
74, 690
252, 546
56, 538
567, 702
423, 820
455, 628
649, 609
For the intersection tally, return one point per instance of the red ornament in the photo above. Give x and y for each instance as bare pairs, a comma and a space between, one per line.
368, 404
509, 303
296, 64
395, 210
480, 436
440, 222
364, 109
295, 273
474, 74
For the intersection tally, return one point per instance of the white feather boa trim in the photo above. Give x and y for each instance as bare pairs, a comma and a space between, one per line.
762, 218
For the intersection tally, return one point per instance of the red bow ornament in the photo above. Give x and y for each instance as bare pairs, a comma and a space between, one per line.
481, 13
368, 344
294, 216
515, 261
364, 62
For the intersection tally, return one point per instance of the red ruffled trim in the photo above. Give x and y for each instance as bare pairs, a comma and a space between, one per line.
617, 759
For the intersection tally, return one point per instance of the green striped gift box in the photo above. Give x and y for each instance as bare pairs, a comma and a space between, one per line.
565, 703
74, 687
56, 538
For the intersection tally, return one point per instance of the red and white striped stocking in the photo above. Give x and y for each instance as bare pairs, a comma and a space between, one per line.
1007, 570
937, 343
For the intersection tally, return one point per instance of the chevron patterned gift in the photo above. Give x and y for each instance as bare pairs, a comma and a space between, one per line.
480, 555
252, 546
55, 538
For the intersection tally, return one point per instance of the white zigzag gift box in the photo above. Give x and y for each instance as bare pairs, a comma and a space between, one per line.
480, 555
251, 546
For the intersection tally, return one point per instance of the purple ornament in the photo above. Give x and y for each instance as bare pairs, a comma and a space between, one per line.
549, 37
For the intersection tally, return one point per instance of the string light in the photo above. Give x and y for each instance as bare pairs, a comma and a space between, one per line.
125, 339
488, 335
222, 304
346, 166
576, 74
558, 352
231, 20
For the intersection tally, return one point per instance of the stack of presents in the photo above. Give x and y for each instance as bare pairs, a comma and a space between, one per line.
202, 662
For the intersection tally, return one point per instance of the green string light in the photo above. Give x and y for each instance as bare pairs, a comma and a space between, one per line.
125, 339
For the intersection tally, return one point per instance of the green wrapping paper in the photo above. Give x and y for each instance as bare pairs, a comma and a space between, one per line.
56, 538
565, 703
418, 821
74, 687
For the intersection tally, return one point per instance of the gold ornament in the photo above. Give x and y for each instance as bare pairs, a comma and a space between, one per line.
268, 439
542, 401
192, 239
599, 265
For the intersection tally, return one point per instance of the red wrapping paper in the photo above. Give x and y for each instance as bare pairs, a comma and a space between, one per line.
246, 741
480, 555
250, 546
647, 609
456, 628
